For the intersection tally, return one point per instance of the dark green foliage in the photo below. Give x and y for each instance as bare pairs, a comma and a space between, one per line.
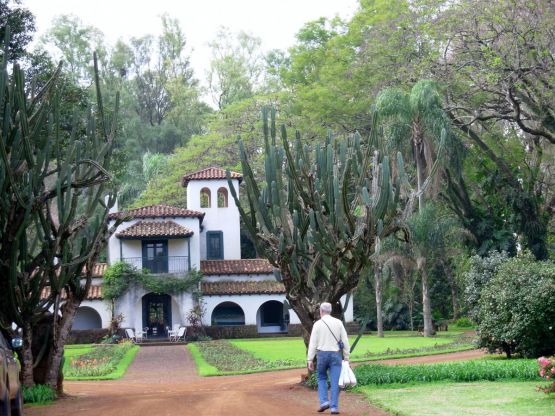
22, 26
481, 271
465, 371
517, 308
120, 276
320, 213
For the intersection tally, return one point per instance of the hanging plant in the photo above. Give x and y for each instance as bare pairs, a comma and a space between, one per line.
121, 276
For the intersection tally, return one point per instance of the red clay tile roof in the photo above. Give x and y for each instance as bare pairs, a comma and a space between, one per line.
99, 269
155, 229
208, 174
157, 211
95, 292
265, 287
250, 266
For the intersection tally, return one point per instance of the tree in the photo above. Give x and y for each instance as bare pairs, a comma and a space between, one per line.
75, 43
22, 26
320, 216
53, 220
498, 70
236, 67
416, 125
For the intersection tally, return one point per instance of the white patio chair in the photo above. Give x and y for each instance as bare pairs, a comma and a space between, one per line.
140, 335
171, 332
180, 335
131, 335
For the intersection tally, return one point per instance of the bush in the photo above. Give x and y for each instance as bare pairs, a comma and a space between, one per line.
481, 271
547, 371
517, 308
463, 371
39, 393
464, 323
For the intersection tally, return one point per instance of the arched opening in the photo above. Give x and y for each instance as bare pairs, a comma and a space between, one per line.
205, 198
271, 317
157, 314
222, 198
228, 313
87, 318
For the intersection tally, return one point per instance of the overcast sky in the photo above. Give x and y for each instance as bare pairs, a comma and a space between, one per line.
275, 22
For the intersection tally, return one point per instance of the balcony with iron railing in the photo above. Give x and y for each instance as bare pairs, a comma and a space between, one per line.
160, 264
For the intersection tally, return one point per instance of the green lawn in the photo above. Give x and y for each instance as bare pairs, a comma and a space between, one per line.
369, 347
266, 354
470, 399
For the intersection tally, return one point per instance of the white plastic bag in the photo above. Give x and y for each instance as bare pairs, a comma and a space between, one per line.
347, 377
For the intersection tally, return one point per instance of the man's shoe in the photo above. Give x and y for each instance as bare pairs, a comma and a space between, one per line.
323, 408
334, 412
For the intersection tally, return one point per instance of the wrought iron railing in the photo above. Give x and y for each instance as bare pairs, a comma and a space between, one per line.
160, 264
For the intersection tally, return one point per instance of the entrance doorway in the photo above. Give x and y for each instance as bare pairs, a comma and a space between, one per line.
157, 314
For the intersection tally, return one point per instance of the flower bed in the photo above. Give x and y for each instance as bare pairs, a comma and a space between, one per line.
102, 360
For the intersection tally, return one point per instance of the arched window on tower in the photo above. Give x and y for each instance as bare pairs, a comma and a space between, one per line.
205, 198
222, 198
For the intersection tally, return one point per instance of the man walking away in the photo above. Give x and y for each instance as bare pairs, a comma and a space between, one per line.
327, 340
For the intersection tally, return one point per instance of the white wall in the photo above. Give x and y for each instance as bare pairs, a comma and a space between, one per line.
102, 308
249, 303
118, 248
131, 306
226, 219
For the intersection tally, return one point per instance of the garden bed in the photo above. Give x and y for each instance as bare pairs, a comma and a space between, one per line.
98, 362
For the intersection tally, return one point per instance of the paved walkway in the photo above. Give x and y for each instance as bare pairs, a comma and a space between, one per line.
163, 381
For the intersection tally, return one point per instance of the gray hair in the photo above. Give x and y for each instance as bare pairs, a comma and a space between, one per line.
325, 307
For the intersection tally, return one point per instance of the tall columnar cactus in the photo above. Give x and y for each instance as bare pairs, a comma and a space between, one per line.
320, 213
52, 211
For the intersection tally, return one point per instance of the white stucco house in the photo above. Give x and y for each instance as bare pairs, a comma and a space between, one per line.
205, 236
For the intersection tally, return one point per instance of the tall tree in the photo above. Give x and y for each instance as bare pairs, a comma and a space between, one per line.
416, 124
236, 67
158, 62
322, 212
498, 69
53, 221
22, 26
75, 43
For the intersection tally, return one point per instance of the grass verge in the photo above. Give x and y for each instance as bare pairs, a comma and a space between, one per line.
486, 398
204, 369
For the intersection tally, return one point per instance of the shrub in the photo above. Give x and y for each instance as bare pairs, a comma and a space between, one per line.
464, 322
481, 271
463, 371
547, 371
517, 308
39, 393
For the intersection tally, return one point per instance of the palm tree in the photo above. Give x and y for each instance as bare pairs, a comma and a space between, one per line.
416, 125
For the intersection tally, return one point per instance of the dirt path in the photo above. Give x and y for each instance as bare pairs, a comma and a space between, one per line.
163, 381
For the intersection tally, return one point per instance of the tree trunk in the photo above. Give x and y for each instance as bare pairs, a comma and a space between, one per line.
27, 356
419, 172
54, 376
378, 290
427, 310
